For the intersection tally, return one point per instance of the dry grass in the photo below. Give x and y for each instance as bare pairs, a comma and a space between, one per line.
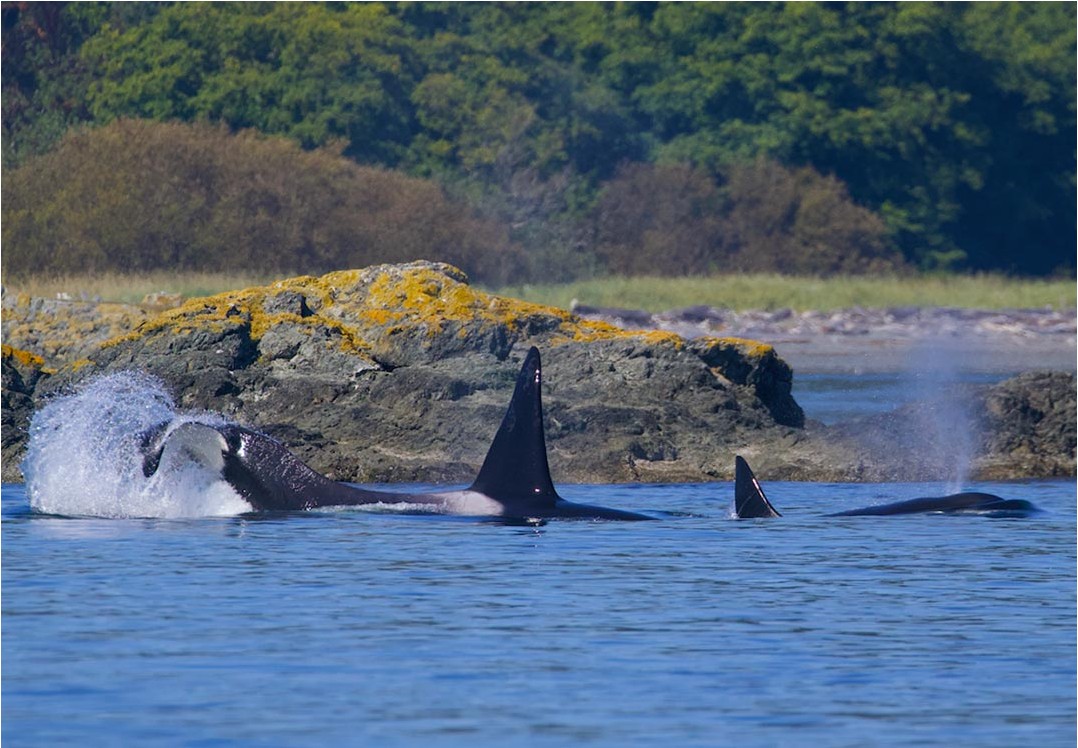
652, 294
131, 289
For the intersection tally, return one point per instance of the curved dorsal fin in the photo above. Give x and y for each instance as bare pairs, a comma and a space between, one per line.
515, 469
749, 499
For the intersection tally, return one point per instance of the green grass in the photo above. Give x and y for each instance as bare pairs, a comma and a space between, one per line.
777, 292
652, 294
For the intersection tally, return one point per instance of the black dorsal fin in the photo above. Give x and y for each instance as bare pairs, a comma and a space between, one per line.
515, 469
749, 499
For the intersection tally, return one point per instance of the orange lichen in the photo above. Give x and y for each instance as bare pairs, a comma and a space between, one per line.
420, 300
26, 358
748, 347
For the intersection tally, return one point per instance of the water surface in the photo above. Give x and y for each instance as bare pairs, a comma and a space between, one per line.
360, 628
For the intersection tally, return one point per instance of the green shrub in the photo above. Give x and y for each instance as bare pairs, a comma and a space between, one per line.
137, 195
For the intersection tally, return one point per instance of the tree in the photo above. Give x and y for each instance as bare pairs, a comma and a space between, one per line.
954, 123
313, 72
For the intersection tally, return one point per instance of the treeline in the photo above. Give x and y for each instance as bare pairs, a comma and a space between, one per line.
941, 132
139, 195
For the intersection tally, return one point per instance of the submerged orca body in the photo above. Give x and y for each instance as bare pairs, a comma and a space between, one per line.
750, 502
514, 481
970, 502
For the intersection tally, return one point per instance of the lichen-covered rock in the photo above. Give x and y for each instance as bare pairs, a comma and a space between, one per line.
20, 372
62, 331
403, 372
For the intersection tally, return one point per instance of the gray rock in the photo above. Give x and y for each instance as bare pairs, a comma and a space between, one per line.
20, 374
403, 373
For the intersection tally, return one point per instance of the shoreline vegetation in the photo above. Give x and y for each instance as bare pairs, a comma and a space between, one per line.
771, 292
542, 142
734, 291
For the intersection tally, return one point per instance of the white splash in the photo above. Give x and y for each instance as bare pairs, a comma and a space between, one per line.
84, 456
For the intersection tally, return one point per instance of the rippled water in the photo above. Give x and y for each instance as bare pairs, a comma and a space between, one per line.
359, 628
832, 398
372, 628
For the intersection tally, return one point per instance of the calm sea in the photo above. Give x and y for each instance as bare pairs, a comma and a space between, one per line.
364, 628
356, 628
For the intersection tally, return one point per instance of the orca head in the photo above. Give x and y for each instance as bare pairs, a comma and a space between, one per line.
990, 505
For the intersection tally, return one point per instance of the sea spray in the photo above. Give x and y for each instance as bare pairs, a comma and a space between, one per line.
84, 456
947, 438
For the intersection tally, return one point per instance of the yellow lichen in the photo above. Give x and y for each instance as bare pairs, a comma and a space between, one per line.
748, 347
427, 299
662, 337
419, 300
26, 358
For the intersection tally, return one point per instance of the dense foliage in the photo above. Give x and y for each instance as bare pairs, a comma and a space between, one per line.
138, 195
954, 124
675, 220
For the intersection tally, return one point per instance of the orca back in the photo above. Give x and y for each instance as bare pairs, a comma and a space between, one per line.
514, 477
967, 502
749, 501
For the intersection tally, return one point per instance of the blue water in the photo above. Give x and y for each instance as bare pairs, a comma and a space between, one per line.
832, 398
359, 628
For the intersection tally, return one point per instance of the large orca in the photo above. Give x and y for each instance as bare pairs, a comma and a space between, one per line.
514, 481
750, 502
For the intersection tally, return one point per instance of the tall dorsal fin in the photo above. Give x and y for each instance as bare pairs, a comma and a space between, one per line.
749, 499
516, 469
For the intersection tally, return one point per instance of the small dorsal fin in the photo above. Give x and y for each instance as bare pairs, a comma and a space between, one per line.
749, 499
515, 469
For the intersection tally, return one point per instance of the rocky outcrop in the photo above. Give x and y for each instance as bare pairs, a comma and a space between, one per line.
20, 372
403, 372
1027, 426
62, 330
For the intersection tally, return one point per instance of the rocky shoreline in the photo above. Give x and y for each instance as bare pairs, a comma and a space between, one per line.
857, 340
402, 373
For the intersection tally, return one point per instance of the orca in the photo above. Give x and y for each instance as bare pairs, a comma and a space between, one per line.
513, 483
749, 499
750, 502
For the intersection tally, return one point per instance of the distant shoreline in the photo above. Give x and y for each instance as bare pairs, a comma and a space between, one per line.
870, 341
